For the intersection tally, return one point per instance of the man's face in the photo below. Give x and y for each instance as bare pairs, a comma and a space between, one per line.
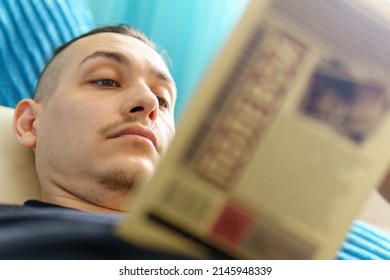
108, 122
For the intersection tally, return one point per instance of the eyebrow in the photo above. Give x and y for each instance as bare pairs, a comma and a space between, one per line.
122, 59
161, 75
115, 56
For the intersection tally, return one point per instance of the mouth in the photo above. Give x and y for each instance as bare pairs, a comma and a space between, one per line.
136, 130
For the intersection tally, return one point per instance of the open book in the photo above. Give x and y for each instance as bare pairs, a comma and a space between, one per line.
286, 137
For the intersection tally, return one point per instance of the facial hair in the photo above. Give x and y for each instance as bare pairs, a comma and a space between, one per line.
120, 179
129, 119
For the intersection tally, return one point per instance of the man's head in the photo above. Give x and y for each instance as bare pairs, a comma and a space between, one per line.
101, 119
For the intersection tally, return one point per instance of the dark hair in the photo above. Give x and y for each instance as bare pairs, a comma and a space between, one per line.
124, 29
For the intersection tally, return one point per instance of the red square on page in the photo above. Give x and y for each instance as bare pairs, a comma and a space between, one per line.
232, 224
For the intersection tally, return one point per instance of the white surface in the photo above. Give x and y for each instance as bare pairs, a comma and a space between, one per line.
376, 212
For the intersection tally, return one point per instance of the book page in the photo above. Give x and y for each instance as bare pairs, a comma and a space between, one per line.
285, 139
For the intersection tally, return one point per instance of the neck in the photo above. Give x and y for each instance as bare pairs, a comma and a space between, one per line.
81, 205
92, 197
71, 201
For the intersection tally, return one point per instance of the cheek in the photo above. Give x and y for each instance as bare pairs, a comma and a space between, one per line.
67, 121
66, 124
165, 133
77, 113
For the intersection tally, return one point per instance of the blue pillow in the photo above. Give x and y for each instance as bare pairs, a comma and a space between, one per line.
365, 242
29, 33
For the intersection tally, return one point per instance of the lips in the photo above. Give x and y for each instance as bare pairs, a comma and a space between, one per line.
135, 129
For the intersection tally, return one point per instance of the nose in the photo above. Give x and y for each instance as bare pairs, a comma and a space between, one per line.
141, 103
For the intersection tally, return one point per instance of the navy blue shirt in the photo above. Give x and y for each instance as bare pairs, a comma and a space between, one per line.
39, 230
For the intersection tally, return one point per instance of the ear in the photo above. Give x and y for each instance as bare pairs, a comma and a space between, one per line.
24, 122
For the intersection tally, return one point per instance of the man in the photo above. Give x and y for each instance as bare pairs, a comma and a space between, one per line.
101, 119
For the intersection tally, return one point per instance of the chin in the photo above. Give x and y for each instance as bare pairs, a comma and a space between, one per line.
127, 178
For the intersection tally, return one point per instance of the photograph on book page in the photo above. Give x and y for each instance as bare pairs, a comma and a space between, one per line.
284, 140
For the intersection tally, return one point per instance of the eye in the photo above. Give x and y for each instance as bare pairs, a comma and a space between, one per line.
162, 102
107, 83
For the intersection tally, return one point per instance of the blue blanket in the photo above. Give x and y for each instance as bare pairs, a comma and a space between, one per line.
29, 33
365, 242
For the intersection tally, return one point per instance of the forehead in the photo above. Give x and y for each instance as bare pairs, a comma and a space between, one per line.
129, 46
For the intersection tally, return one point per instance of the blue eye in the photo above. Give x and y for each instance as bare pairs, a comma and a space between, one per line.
107, 83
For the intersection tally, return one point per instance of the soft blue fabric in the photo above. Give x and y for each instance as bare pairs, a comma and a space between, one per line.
365, 242
29, 32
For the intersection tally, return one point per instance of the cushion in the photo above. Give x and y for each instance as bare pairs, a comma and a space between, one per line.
18, 178
29, 32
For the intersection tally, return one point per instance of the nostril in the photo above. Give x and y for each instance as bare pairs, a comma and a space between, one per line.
153, 115
137, 109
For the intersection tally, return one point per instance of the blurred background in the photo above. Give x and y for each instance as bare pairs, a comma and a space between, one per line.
191, 32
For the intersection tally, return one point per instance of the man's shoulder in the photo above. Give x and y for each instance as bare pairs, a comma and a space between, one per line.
45, 232
51, 232
9, 208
